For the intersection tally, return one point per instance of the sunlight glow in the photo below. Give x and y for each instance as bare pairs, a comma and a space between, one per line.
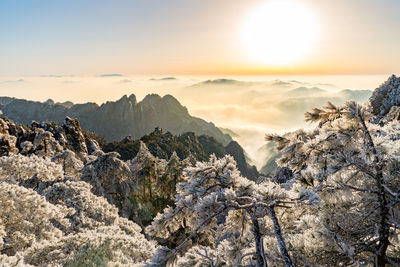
279, 32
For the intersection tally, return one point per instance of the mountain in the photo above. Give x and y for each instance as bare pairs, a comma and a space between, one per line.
115, 119
155, 161
224, 82
6, 100
229, 132
188, 145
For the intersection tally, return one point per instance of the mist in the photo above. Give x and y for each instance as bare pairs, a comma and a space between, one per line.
248, 106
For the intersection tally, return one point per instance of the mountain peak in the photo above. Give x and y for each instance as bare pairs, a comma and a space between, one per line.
171, 100
132, 99
116, 119
151, 98
50, 101
124, 98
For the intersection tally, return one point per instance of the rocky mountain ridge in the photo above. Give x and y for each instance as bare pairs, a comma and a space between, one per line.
115, 120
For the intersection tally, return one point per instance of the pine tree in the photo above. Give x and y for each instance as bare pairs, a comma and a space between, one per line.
353, 166
221, 211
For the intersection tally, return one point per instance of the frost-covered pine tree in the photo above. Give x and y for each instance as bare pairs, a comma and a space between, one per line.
147, 171
48, 219
354, 167
171, 177
225, 217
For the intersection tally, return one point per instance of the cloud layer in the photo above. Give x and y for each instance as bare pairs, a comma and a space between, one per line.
249, 106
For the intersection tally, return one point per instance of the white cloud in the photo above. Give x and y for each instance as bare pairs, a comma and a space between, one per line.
250, 106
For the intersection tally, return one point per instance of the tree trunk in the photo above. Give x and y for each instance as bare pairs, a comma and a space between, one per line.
261, 262
384, 229
281, 242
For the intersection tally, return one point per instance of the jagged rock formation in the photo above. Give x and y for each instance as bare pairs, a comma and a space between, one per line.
11, 136
188, 145
115, 120
43, 139
80, 196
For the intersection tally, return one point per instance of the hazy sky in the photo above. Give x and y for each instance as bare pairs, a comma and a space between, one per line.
159, 37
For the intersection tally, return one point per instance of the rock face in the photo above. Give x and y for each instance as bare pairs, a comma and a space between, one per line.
74, 135
12, 136
116, 120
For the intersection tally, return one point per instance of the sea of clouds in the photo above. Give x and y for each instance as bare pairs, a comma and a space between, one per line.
248, 106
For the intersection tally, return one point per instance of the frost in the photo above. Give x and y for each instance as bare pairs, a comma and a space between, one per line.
20, 168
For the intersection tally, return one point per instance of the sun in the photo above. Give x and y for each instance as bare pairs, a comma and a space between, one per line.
279, 32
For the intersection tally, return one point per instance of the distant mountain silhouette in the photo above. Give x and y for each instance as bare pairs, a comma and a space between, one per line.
302, 91
116, 119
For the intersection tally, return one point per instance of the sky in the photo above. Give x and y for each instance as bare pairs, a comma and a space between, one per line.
188, 37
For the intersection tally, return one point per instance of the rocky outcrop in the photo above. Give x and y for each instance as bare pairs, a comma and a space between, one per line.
44, 143
45, 139
79, 156
115, 120
12, 136
8, 145
74, 135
